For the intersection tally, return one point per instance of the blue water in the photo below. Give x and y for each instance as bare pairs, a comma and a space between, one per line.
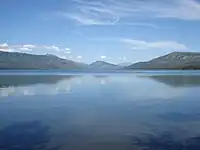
138, 110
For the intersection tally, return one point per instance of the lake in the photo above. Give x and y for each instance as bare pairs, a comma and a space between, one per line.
143, 110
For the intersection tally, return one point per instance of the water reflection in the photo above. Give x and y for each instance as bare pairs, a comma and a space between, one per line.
14, 85
23, 80
177, 80
102, 78
132, 85
166, 141
26, 136
127, 112
180, 117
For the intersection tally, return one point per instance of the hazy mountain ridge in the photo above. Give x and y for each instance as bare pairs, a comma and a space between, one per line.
102, 65
174, 60
125, 64
16, 60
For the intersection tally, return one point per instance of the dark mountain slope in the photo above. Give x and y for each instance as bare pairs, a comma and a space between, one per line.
175, 60
28, 61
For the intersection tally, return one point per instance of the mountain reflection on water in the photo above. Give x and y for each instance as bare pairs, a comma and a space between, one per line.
95, 112
177, 80
33, 84
13, 85
23, 80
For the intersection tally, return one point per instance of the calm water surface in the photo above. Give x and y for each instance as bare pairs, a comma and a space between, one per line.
130, 111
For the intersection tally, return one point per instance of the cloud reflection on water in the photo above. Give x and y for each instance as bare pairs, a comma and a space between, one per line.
127, 85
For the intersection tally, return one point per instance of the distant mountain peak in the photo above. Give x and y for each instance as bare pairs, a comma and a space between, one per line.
101, 62
125, 64
103, 65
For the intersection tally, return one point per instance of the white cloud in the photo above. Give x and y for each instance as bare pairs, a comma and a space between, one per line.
184, 10
68, 52
55, 48
103, 57
67, 49
29, 46
142, 45
84, 20
79, 57
63, 57
25, 49
4, 45
5, 48
111, 12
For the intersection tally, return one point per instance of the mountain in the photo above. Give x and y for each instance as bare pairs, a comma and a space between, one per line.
102, 65
14, 60
174, 60
125, 64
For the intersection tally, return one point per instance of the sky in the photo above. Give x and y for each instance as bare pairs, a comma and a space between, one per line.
110, 30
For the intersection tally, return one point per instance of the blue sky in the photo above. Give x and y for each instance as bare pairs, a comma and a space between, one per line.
112, 30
